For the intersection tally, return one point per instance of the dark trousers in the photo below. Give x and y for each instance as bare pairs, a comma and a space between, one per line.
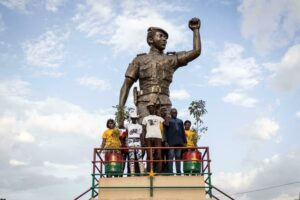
154, 142
164, 156
177, 154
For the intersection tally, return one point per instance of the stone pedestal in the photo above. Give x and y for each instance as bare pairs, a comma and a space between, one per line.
158, 193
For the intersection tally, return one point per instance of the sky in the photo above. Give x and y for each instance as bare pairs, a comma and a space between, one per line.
62, 64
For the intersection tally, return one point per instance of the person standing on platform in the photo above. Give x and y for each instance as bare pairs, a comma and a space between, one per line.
111, 137
135, 139
164, 152
191, 136
152, 135
174, 136
124, 144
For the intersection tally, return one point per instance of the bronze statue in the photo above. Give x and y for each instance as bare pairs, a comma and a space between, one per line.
155, 70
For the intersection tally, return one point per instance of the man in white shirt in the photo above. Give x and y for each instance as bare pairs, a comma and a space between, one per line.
153, 137
134, 131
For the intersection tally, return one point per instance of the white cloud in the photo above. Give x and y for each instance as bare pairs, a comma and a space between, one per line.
180, 94
261, 175
285, 197
124, 25
286, 73
59, 166
298, 114
48, 128
16, 163
239, 180
25, 137
47, 51
52, 5
91, 18
269, 161
22, 119
53, 73
14, 87
62, 117
272, 29
16, 4
240, 99
184, 113
2, 25
21, 5
265, 128
94, 83
235, 70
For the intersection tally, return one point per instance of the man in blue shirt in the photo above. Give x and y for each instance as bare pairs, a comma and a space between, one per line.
174, 136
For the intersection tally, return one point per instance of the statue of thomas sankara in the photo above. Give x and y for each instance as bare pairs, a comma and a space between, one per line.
155, 70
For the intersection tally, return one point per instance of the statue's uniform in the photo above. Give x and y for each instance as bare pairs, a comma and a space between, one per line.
155, 73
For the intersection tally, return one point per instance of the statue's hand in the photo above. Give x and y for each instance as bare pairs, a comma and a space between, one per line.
194, 23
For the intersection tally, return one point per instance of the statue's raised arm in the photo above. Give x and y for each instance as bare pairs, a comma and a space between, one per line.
194, 25
155, 70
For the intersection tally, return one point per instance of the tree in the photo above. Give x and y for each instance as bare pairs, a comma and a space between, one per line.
197, 110
122, 114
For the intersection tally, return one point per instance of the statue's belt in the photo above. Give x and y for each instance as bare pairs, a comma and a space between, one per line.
149, 90
154, 89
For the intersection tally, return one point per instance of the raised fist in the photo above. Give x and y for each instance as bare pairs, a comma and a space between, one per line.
194, 23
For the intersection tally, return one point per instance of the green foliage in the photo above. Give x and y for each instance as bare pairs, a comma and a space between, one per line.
122, 113
197, 110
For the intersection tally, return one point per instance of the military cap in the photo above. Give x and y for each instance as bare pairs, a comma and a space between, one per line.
152, 28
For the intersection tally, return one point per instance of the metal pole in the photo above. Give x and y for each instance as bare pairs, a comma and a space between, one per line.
93, 178
209, 175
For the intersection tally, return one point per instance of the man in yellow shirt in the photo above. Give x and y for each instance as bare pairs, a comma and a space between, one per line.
191, 136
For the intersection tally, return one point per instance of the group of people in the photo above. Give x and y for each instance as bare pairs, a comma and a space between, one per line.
158, 129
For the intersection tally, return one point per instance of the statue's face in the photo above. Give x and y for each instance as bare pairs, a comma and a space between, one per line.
159, 40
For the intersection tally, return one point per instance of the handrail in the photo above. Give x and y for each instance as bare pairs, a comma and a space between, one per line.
98, 163
213, 196
214, 187
217, 189
81, 195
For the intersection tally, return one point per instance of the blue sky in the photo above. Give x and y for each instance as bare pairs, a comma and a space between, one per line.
63, 63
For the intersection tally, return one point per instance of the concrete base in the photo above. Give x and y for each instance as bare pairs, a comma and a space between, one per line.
158, 193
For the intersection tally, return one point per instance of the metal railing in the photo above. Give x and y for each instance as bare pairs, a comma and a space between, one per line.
214, 188
99, 163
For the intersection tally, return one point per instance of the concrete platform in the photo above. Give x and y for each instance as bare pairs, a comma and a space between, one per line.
158, 193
